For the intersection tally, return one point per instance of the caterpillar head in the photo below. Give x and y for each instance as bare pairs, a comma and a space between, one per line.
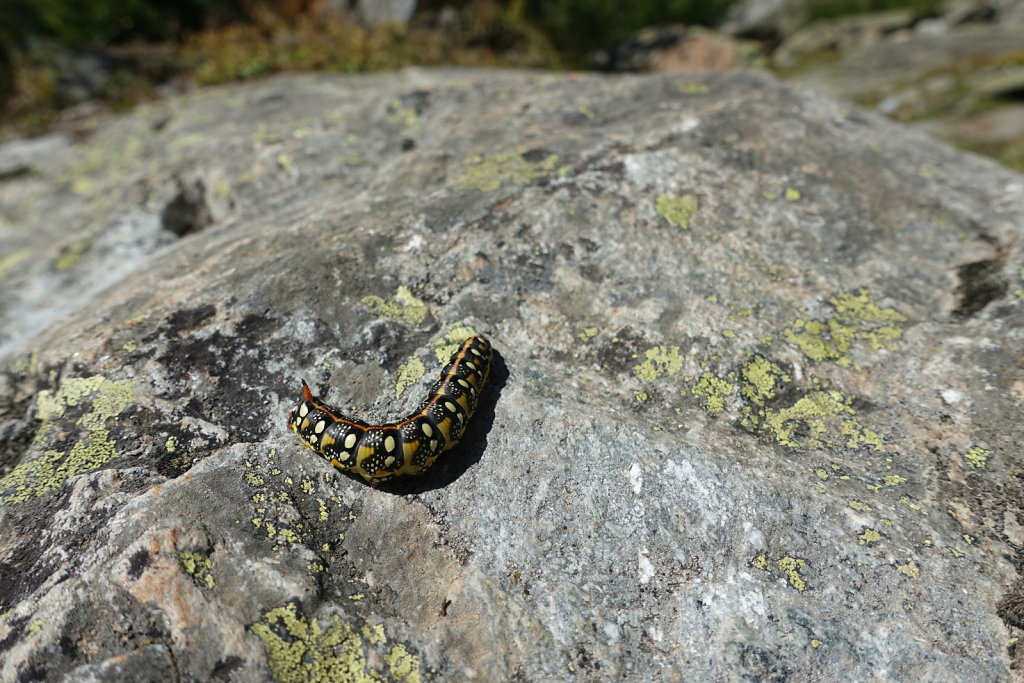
301, 409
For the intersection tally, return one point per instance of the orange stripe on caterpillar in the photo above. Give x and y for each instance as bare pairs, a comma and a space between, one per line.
406, 447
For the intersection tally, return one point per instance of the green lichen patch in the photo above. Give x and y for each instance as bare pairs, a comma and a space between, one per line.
90, 452
857, 317
300, 649
713, 392
403, 308
198, 566
658, 361
409, 373
976, 458
791, 194
677, 210
760, 380
817, 419
451, 340
488, 173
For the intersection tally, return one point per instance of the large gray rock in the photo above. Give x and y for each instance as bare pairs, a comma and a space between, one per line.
756, 412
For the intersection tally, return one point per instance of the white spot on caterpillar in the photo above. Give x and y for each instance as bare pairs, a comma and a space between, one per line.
450, 406
474, 351
312, 438
350, 441
389, 461
469, 364
389, 445
463, 383
433, 445
427, 429
303, 410
320, 426
345, 456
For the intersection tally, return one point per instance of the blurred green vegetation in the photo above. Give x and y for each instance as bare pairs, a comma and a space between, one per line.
831, 9
55, 54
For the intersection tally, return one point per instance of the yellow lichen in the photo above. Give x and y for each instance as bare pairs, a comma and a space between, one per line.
451, 340
677, 210
713, 390
409, 373
659, 360
71, 254
761, 379
909, 569
90, 452
403, 308
976, 457
402, 665
761, 562
791, 566
856, 317
10, 260
870, 536
810, 418
792, 194
857, 505
488, 174
198, 566
299, 649
693, 88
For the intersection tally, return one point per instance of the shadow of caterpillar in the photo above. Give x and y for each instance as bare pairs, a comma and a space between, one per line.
411, 445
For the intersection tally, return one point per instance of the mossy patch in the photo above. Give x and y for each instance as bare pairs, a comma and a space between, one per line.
299, 649
857, 317
677, 210
409, 373
403, 308
90, 452
658, 361
489, 173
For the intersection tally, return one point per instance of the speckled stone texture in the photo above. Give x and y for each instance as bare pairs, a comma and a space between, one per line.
755, 413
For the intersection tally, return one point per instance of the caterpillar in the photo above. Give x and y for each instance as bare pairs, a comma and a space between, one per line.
406, 447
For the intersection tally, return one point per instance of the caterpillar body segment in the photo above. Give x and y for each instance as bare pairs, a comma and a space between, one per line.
406, 447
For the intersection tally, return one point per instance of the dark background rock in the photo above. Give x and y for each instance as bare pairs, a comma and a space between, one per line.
756, 413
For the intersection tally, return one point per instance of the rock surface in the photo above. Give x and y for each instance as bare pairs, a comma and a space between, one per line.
756, 413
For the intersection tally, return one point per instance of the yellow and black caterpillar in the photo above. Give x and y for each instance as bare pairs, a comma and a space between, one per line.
411, 445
